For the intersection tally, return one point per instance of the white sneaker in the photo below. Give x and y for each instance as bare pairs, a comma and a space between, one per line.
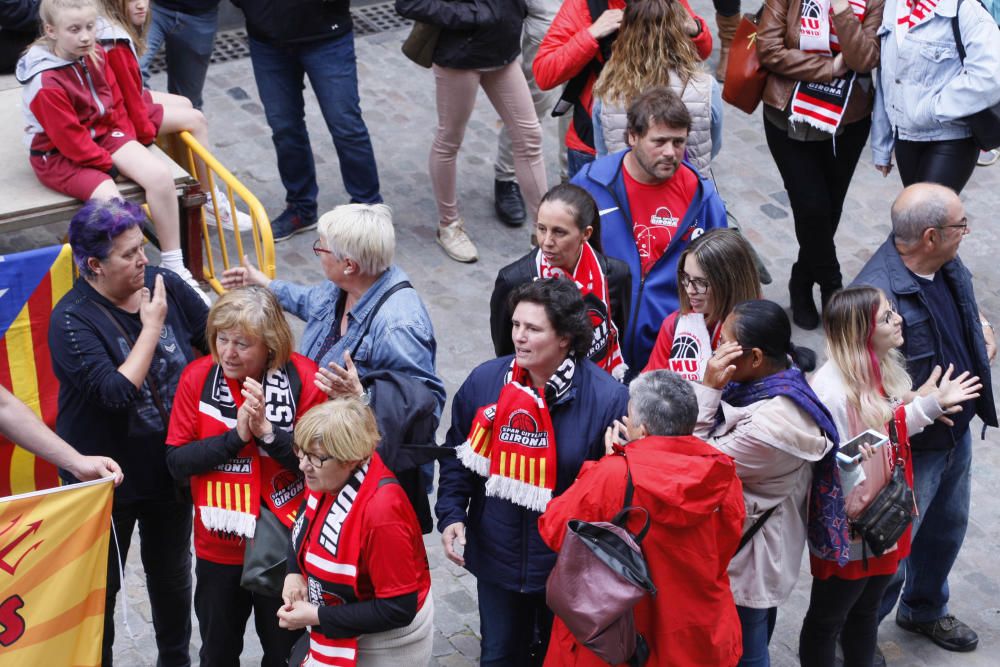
189, 279
243, 219
456, 242
986, 158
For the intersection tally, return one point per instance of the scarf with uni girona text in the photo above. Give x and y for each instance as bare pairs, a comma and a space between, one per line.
228, 497
593, 284
512, 442
327, 539
821, 105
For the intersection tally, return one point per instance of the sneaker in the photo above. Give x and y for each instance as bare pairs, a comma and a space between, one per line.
947, 632
290, 223
509, 203
225, 216
986, 158
189, 279
456, 242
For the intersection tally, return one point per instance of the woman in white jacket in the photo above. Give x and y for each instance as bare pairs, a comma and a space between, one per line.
865, 385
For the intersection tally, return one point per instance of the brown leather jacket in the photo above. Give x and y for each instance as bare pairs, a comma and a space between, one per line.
778, 49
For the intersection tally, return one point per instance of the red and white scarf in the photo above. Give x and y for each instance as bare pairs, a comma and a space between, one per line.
512, 442
692, 346
822, 105
228, 497
327, 542
910, 14
593, 284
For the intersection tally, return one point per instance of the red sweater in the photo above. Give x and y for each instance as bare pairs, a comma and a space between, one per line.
138, 103
568, 47
70, 105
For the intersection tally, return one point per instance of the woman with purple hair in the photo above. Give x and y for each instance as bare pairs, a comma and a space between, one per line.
119, 340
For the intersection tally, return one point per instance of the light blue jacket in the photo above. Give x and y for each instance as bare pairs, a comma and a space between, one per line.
922, 91
401, 337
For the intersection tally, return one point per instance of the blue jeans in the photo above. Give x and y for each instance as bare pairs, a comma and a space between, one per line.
165, 548
280, 73
942, 481
758, 626
515, 626
576, 160
189, 39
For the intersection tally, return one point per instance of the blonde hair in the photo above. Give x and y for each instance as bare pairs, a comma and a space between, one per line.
256, 312
873, 384
344, 428
47, 14
361, 232
116, 11
651, 44
728, 263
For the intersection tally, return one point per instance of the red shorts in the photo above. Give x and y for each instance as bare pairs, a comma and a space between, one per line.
156, 116
63, 175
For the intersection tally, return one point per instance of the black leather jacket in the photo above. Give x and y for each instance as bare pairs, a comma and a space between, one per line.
474, 33
282, 22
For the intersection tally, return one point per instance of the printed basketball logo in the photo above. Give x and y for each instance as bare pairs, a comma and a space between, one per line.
599, 318
812, 13
286, 485
663, 218
522, 429
685, 355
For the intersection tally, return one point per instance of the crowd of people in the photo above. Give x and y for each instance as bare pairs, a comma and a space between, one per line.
635, 355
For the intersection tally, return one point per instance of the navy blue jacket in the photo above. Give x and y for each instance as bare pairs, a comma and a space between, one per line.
503, 546
921, 336
655, 296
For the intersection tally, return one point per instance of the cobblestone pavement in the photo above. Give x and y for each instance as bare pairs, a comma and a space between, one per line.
398, 101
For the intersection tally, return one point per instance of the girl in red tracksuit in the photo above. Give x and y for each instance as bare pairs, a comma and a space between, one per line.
121, 30
77, 132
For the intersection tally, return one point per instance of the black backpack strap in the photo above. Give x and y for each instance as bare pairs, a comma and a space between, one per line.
757, 525
622, 516
956, 31
374, 311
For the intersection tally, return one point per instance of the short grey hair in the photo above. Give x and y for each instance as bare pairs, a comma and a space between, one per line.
361, 232
664, 403
920, 211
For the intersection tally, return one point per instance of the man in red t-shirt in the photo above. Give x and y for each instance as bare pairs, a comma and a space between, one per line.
652, 204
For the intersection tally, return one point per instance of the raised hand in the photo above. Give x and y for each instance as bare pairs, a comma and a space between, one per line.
336, 381
720, 368
244, 274
607, 23
153, 307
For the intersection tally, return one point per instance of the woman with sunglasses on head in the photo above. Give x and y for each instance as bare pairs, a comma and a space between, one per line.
358, 577
716, 272
230, 435
755, 405
865, 386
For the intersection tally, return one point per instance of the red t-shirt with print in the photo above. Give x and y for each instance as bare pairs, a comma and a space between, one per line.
657, 210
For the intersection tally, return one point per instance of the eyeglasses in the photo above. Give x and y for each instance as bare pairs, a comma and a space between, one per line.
890, 314
317, 249
697, 285
315, 461
963, 224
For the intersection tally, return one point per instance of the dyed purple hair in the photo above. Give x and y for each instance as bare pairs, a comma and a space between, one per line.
94, 228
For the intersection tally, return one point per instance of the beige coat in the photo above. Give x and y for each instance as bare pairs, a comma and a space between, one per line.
774, 444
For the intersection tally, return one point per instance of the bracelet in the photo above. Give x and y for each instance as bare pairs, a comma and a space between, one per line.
986, 323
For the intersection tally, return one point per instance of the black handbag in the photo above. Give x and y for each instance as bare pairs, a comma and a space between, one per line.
419, 45
886, 518
264, 561
985, 124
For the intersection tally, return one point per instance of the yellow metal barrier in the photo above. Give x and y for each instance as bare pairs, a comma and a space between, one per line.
260, 232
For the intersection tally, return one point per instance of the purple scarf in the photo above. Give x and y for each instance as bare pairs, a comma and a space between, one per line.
827, 523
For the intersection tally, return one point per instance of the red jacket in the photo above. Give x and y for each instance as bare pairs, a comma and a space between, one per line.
138, 103
568, 47
69, 105
695, 504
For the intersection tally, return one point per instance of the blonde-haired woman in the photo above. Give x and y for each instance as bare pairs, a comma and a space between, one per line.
366, 595
715, 273
653, 48
366, 316
865, 386
231, 435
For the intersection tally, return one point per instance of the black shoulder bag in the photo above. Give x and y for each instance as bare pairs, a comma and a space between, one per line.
886, 518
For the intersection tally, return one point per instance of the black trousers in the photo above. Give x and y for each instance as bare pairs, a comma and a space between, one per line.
223, 607
816, 179
844, 607
165, 548
949, 163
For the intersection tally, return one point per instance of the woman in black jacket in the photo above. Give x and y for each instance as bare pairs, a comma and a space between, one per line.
568, 248
478, 46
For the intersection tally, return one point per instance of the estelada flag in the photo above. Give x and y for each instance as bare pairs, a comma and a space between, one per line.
53, 574
31, 284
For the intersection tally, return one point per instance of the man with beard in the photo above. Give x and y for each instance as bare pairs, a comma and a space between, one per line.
652, 204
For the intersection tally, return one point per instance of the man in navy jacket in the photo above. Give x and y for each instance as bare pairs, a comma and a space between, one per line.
652, 205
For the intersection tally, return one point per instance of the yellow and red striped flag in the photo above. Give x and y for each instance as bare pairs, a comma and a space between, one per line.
53, 574
31, 284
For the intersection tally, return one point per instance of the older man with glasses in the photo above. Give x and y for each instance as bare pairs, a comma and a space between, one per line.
919, 269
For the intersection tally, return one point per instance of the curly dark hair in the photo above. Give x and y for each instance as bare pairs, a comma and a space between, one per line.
564, 307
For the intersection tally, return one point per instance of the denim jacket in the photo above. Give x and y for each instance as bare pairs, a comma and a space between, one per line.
401, 337
921, 336
922, 90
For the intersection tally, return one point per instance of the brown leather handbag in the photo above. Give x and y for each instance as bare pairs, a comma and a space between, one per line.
745, 76
420, 43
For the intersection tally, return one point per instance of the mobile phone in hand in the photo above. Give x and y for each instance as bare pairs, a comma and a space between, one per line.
850, 451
